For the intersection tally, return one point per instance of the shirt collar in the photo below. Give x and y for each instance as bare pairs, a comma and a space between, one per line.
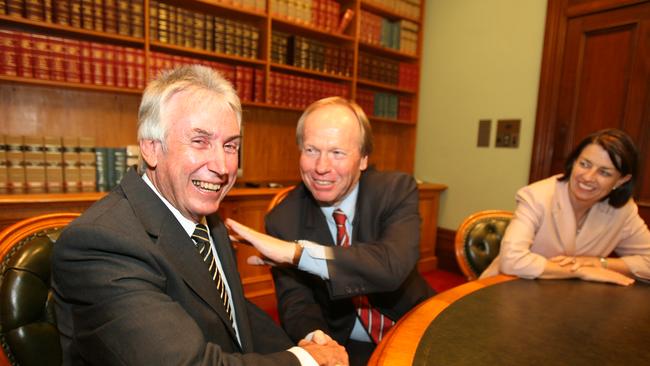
348, 206
188, 225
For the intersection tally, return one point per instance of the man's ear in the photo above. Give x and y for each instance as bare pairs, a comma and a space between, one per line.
149, 151
363, 165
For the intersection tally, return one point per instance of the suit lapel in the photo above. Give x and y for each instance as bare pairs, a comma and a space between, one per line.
179, 249
229, 266
563, 218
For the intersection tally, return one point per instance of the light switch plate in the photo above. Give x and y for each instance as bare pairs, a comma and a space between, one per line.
508, 133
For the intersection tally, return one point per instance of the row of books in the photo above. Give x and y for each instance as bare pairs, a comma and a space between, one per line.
188, 28
407, 8
323, 14
124, 17
385, 105
384, 70
255, 5
248, 81
401, 35
59, 59
53, 164
311, 54
298, 92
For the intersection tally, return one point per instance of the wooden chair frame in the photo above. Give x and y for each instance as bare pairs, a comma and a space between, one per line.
14, 234
461, 233
279, 196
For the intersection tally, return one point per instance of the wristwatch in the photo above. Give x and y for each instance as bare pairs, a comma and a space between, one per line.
297, 253
603, 262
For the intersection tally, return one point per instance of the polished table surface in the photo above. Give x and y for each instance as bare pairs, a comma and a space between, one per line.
508, 321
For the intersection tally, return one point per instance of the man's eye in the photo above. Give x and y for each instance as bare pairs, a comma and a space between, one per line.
231, 148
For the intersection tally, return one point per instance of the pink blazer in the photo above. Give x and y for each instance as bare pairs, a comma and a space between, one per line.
544, 226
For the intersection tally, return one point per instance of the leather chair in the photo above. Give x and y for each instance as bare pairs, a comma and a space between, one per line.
478, 240
27, 322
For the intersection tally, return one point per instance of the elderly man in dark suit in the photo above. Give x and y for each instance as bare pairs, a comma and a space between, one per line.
356, 234
147, 275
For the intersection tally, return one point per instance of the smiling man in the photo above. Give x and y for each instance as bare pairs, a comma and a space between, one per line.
147, 275
354, 268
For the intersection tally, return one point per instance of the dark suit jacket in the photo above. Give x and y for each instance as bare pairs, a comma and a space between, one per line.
130, 289
381, 262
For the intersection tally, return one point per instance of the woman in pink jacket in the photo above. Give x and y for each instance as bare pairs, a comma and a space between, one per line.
568, 225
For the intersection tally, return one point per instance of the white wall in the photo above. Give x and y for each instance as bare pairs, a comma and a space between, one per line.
481, 60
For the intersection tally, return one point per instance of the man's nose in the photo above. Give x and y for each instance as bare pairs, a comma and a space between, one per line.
216, 161
323, 163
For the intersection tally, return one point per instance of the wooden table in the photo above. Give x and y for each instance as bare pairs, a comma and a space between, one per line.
507, 321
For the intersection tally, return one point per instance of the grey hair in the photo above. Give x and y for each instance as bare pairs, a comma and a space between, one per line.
166, 85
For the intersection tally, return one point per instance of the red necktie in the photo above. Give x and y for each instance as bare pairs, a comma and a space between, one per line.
376, 323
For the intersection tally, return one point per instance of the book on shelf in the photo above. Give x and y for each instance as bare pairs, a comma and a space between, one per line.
34, 9
111, 164
53, 164
4, 179
110, 16
15, 8
15, 164
9, 45
71, 173
59, 59
87, 167
136, 18
34, 163
346, 19
87, 15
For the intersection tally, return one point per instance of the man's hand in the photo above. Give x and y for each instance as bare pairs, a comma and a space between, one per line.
329, 353
274, 251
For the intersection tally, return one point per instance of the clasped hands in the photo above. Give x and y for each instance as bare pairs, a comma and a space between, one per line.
324, 349
590, 269
273, 250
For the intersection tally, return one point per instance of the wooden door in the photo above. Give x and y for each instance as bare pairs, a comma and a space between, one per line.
595, 74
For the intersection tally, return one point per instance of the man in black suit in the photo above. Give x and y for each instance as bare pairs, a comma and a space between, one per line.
147, 275
351, 286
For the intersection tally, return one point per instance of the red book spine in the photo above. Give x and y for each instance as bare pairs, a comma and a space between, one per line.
98, 63
25, 55
8, 52
109, 70
86, 63
42, 57
72, 61
120, 67
57, 65
141, 73
259, 86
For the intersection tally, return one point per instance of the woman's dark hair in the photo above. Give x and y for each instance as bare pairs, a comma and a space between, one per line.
622, 153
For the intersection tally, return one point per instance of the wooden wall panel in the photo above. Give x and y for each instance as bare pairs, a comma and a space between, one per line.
110, 118
394, 147
270, 151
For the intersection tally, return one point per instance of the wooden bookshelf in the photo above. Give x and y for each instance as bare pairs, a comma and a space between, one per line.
108, 114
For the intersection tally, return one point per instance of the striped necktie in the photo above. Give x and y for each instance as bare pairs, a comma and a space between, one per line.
375, 323
202, 243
